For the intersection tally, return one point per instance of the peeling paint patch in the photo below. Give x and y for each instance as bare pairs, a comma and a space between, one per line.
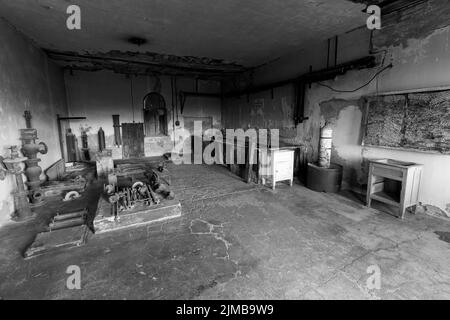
413, 23
331, 109
143, 63
419, 50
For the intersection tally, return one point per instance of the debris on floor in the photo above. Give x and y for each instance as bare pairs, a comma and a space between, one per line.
53, 241
66, 230
444, 236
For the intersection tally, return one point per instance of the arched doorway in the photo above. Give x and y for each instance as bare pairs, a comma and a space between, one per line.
155, 115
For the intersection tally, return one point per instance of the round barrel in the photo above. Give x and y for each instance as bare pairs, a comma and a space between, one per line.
324, 179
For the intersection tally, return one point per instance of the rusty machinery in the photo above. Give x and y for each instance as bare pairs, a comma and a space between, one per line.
140, 193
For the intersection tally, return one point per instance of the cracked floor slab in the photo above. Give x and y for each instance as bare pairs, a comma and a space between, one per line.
241, 241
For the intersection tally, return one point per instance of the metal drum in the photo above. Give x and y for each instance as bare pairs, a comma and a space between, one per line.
324, 179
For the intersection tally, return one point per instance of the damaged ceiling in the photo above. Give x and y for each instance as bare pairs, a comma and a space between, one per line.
145, 63
202, 36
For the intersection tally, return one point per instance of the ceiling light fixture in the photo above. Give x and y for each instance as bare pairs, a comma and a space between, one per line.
137, 41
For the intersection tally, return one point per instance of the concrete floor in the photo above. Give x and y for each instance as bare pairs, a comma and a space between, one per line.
240, 241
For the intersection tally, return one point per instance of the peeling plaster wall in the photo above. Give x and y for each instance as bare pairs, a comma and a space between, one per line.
344, 117
98, 95
28, 81
419, 63
426, 64
421, 60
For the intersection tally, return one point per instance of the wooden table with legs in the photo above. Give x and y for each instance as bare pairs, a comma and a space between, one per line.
393, 182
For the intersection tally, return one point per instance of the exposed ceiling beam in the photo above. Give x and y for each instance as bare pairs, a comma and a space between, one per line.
140, 63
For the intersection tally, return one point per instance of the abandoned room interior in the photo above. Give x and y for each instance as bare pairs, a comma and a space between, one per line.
225, 149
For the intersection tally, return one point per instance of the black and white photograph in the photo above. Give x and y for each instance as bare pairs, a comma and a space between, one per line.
225, 158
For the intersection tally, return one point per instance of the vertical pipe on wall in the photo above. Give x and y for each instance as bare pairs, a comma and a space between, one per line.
177, 122
328, 53
60, 136
335, 50
131, 93
173, 111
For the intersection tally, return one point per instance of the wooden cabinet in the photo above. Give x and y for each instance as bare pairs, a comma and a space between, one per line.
277, 165
133, 140
394, 182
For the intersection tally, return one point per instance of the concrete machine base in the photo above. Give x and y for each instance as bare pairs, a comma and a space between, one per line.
138, 216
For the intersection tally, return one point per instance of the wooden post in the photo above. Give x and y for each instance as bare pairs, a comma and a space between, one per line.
249, 162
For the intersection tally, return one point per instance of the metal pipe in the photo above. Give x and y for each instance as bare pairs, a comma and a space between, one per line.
335, 50
69, 215
200, 94
65, 224
71, 118
321, 75
328, 53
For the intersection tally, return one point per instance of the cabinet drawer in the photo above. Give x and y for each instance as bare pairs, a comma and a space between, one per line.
283, 156
387, 172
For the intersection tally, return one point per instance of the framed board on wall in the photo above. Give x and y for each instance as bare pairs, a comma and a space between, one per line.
417, 121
